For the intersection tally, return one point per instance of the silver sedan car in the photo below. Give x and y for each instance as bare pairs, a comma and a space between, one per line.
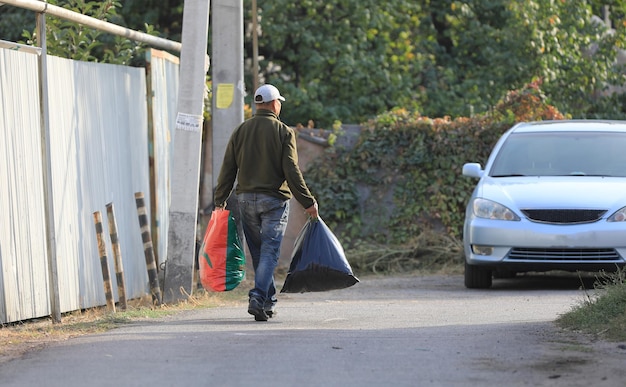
552, 196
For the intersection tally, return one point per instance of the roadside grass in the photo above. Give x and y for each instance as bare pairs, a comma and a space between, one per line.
602, 313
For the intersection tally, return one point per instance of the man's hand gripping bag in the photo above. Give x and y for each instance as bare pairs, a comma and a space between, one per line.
222, 261
318, 262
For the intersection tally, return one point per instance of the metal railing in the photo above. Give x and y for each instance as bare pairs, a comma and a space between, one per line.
19, 47
44, 7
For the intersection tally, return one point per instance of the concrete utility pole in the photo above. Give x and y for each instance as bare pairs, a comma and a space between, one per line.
227, 75
187, 144
255, 47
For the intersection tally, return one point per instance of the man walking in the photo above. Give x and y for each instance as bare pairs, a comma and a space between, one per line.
262, 155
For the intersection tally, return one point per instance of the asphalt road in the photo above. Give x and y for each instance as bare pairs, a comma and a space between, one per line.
384, 331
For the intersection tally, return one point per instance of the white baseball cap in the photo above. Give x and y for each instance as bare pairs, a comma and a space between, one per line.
267, 93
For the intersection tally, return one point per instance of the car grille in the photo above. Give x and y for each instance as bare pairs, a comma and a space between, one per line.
563, 254
564, 216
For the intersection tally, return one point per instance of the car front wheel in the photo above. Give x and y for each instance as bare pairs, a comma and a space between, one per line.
477, 277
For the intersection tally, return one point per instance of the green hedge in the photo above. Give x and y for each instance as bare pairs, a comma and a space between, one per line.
403, 177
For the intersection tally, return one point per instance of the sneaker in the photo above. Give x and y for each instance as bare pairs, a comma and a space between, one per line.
255, 308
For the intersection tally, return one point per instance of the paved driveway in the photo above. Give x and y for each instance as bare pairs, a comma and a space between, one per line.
384, 331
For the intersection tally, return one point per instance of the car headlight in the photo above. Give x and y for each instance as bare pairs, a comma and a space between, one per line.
488, 209
618, 216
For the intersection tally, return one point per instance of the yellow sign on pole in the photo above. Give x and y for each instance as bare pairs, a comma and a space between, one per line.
225, 93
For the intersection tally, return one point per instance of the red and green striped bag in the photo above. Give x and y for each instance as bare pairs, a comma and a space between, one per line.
222, 261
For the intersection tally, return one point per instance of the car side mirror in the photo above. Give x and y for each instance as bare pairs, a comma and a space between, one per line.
473, 170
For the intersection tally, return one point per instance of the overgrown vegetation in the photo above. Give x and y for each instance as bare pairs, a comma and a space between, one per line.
351, 60
403, 178
75, 41
602, 313
397, 198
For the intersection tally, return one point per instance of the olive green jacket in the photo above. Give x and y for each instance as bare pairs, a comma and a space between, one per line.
262, 155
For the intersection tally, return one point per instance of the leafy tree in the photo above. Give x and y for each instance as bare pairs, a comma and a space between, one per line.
13, 21
573, 52
477, 56
340, 60
76, 41
165, 16
349, 60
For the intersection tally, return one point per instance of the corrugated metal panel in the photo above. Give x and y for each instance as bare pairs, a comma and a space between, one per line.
99, 155
23, 260
98, 122
164, 82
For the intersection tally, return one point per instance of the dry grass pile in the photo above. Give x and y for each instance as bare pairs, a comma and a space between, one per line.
430, 252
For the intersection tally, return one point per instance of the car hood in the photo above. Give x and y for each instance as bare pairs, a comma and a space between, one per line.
572, 192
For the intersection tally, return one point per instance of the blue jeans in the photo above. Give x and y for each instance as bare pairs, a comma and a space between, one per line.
264, 220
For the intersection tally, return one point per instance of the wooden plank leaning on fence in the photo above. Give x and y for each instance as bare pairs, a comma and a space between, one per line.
148, 248
104, 263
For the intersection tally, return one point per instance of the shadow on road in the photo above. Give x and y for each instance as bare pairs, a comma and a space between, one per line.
547, 281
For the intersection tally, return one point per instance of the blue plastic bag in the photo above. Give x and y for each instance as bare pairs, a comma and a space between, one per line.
318, 262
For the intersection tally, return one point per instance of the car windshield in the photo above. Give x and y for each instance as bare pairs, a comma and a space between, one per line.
562, 154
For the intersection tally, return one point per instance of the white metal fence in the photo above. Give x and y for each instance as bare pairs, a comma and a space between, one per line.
23, 278
101, 145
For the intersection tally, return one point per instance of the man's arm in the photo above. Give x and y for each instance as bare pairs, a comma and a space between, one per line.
227, 176
293, 175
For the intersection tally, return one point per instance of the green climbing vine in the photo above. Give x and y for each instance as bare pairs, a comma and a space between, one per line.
403, 177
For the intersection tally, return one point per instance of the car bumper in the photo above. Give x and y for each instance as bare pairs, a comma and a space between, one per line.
528, 246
